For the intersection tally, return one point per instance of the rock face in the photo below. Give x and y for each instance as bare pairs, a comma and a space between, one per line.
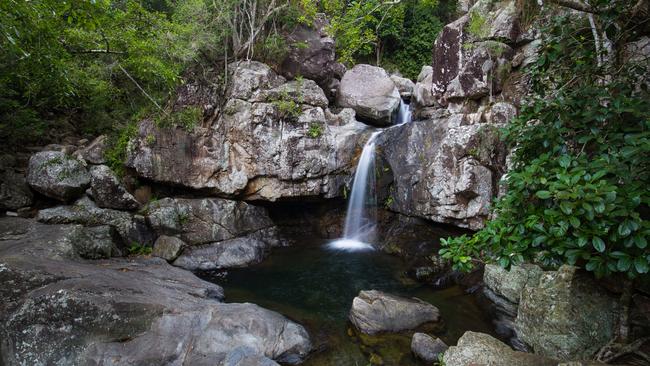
272, 140
482, 349
98, 242
375, 311
427, 348
94, 152
446, 169
57, 175
511, 283
219, 233
370, 91
567, 316
61, 309
312, 54
168, 247
108, 191
404, 85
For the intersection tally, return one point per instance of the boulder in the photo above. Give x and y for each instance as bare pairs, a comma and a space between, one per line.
567, 315
132, 228
108, 191
312, 54
168, 247
511, 283
98, 242
94, 152
271, 141
481, 349
14, 191
404, 86
237, 252
375, 311
427, 348
60, 309
57, 175
445, 170
219, 233
246, 356
372, 94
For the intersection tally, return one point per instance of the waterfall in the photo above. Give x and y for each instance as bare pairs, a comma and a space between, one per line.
404, 115
360, 218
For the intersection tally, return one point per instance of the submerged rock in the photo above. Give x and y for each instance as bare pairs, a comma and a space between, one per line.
57, 175
60, 309
375, 311
567, 315
481, 349
370, 91
108, 191
427, 348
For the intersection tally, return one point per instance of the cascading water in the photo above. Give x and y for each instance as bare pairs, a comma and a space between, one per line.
404, 115
361, 218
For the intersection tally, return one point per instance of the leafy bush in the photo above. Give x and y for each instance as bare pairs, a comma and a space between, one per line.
139, 249
578, 191
315, 130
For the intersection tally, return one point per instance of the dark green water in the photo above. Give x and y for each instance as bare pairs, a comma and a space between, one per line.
315, 286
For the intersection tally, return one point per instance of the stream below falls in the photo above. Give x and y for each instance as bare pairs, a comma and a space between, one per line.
314, 286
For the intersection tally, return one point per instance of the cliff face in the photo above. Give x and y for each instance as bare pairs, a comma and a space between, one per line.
447, 166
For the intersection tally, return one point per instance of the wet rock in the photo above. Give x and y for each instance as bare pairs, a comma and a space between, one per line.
231, 253
131, 227
481, 349
372, 94
168, 247
581, 315
14, 191
404, 85
272, 140
98, 242
94, 153
108, 191
375, 311
57, 175
445, 170
137, 311
511, 283
427, 348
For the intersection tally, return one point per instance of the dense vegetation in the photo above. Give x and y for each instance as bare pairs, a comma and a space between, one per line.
93, 66
578, 189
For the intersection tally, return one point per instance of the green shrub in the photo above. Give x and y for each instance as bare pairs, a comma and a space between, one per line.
315, 130
137, 249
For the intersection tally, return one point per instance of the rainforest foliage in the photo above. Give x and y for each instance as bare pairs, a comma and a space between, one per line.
577, 192
91, 66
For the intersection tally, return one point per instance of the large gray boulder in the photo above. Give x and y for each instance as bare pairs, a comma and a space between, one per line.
312, 54
370, 91
375, 312
445, 170
427, 348
481, 349
57, 175
511, 283
404, 86
108, 191
97, 242
168, 247
271, 141
60, 309
567, 315
94, 152
132, 228
219, 233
